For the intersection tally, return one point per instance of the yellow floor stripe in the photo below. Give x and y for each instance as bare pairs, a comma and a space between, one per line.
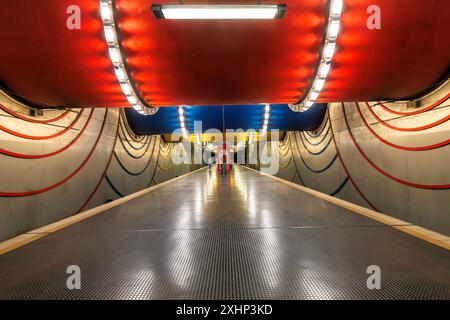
411, 229
26, 238
17, 242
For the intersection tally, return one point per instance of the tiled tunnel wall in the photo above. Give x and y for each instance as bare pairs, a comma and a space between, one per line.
387, 157
67, 161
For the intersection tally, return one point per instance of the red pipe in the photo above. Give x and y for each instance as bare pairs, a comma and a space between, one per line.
407, 183
428, 126
411, 113
73, 174
46, 155
21, 117
104, 172
423, 148
25, 136
345, 167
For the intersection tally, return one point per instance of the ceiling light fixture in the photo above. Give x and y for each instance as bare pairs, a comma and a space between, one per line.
109, 28
266, 119
328, 50
182, 119
205, 12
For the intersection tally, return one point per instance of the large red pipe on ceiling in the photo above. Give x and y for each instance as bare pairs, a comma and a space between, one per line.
220, 62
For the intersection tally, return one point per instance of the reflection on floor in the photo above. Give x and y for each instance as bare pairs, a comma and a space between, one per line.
239, 236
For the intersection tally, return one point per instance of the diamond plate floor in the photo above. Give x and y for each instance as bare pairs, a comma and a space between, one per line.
241, 236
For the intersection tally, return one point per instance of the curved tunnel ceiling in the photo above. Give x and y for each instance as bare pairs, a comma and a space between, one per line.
220, 62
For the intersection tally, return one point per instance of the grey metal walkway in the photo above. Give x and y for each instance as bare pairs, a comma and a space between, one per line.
241, 236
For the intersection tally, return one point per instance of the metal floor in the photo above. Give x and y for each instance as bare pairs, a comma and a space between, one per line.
241, 236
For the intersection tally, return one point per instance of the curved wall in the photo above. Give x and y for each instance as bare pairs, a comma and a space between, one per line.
67, 161
389, 157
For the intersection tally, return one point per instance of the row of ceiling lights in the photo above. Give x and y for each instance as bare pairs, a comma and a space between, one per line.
327, 54
109, 28
266, 119
182, 120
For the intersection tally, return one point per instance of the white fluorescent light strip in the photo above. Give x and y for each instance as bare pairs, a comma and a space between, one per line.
336, 8
126, 88
327, 53
115, 55
329, 50
314, 95
106, 11
120, 74
333, 29
266, 119
323, 70
318, 85
110, 34
191, 12
182, 121
132, 100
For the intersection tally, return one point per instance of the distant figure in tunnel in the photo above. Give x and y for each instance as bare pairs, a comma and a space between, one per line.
223, 165
222, 159
211, 160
